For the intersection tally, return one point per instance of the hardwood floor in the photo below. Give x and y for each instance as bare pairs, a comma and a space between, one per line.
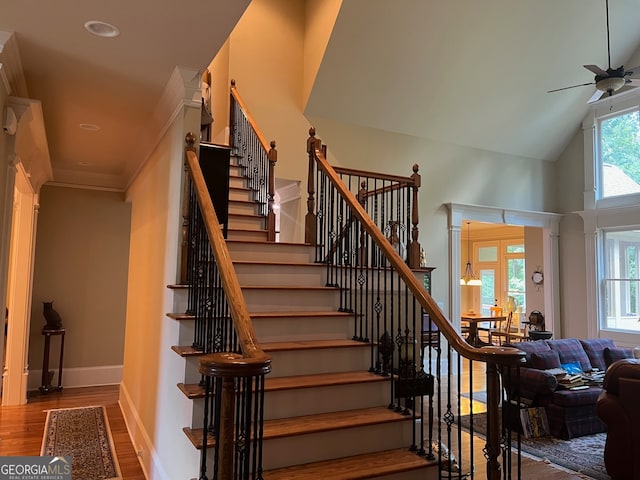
22, 427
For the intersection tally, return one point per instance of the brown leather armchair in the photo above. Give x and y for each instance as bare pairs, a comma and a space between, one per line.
619, 409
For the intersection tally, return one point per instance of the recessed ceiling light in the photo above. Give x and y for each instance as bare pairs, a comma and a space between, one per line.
102, 29
89, 127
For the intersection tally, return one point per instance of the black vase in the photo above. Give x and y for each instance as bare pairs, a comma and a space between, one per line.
54, 322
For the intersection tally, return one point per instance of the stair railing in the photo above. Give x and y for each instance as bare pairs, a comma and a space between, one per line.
256, 157
234, 365
408, 334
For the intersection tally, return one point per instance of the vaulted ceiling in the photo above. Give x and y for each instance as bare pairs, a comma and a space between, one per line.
468, 72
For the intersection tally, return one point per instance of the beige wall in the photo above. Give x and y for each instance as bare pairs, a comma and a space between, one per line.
155, 410
265, 55
82, 248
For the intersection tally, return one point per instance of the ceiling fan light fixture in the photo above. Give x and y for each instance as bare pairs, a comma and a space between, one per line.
102, 29
610, 84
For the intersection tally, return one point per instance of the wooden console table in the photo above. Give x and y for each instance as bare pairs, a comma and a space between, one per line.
47, 375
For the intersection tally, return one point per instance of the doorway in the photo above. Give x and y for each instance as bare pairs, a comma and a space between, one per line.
543, 254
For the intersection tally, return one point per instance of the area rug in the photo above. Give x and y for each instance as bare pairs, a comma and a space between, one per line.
84, 435
583, 455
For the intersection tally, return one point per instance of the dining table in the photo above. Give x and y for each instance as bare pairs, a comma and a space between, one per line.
473, 319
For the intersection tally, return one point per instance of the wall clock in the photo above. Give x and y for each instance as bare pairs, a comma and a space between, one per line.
537, 277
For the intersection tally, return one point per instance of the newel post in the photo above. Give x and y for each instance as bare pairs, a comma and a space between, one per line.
272, 156
310, 218
492, 449
413, 252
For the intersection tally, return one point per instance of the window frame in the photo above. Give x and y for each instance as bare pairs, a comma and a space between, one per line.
604, 279
619, 212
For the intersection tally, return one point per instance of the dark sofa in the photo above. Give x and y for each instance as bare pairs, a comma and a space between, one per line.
570, 413
618, 407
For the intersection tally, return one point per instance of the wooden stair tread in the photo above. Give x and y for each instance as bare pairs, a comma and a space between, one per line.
181, 316
261, 242
288, 287
303, 314
261, 230
322, 422
357, 467
311, 344
278, 263
186, 351
321, 380
244, 215
276, 384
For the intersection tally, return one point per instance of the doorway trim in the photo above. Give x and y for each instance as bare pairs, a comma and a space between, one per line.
550, 224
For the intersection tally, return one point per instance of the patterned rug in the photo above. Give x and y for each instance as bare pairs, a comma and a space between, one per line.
83, 434
583, 455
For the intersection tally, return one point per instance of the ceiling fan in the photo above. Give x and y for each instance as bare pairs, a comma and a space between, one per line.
610, 80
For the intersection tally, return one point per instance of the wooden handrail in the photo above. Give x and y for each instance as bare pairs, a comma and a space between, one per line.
250, 119
377, 175
238, 308
498, 355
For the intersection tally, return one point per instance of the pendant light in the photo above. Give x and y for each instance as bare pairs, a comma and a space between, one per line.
468, 277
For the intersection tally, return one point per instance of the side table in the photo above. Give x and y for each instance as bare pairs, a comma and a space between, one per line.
47, 375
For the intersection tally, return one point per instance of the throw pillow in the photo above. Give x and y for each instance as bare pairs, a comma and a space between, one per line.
545, 360
614, 354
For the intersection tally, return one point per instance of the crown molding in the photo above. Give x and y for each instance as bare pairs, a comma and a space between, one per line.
182, 90
87, 180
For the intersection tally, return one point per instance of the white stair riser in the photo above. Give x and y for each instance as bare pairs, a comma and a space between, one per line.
240, 194
302, 328
236, 170
180, 299
247, 236
323, 360
269, 274
248, 223
283, 452
309, 401
271, 252
272, 300
237, 181
244, 208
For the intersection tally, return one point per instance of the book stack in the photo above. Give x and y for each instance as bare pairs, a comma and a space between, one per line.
571, 381
594, 377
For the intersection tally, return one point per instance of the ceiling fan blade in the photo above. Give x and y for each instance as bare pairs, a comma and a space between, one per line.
633, 82
596, 96
629, 72
572, 86
596, 69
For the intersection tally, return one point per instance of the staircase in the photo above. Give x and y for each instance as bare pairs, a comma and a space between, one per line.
326, 415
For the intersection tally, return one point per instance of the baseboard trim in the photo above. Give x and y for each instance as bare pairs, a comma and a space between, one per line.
147, 455
80, 377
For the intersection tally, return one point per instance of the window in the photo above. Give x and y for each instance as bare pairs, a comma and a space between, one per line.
618, 165
620, 280
502, 271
